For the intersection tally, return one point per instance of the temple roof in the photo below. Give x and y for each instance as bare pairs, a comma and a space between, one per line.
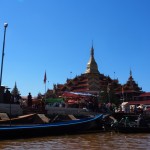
92, 65
145, 94
131, 84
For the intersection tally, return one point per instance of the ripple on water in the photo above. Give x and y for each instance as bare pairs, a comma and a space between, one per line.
94, 141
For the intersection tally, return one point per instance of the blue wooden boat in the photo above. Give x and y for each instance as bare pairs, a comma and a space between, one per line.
47, 129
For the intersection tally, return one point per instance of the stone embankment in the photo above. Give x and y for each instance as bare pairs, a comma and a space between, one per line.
11, 109
67, 111
16, 110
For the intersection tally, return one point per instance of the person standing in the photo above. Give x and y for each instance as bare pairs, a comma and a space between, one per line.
29, 100
7, 96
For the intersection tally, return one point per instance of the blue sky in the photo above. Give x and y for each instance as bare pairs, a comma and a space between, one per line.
56, 36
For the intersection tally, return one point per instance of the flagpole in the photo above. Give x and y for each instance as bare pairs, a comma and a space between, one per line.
108, 92
45, 81
5, 26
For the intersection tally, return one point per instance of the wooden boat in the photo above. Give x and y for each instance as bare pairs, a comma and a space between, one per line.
20, 119
128, 125
133, 129
47, 129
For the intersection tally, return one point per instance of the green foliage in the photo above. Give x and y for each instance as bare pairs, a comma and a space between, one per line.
39, 96
15, 92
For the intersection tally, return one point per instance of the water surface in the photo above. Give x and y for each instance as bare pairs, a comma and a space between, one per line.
94, 141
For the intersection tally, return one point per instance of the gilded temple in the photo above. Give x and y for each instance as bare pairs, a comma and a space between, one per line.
94, 82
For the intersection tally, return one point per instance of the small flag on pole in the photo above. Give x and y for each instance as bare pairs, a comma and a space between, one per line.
45, 78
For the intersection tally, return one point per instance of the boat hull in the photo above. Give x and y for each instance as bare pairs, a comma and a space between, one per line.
133, 129
58, 128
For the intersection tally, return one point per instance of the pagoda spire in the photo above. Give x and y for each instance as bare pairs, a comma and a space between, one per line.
130, 73
92, 65
130, 77
131, 84
92, 50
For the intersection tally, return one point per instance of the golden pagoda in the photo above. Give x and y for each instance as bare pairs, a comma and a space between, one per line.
94, 82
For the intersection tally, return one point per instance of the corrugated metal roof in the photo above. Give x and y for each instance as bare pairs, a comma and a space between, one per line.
139, 102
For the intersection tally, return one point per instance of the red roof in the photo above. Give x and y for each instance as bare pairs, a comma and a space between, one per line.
76, 94
139, 102
126, 91
145, 94
68, 94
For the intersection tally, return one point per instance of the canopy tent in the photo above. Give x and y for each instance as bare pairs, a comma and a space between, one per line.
76, 94
124, 103
54, 100
71, 101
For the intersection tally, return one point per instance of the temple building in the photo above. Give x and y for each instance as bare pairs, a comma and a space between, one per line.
94, 82
129, 90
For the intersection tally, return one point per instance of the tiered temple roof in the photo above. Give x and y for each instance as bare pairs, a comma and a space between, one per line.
92, 81
129, 90
131, 85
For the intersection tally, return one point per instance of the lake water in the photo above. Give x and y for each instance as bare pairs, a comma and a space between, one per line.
93, 141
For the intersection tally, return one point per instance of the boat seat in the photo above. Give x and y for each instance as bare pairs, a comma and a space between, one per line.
72, 117
4, 116
43, 118
55, 118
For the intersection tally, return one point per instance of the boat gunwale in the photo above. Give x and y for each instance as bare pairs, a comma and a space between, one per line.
46, 125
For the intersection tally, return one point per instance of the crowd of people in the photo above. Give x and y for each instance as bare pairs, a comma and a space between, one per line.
91, 104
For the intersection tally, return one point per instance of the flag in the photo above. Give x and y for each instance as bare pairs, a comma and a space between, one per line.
45, 78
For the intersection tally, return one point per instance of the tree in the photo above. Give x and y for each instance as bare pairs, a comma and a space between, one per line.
39, 96
15, 92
